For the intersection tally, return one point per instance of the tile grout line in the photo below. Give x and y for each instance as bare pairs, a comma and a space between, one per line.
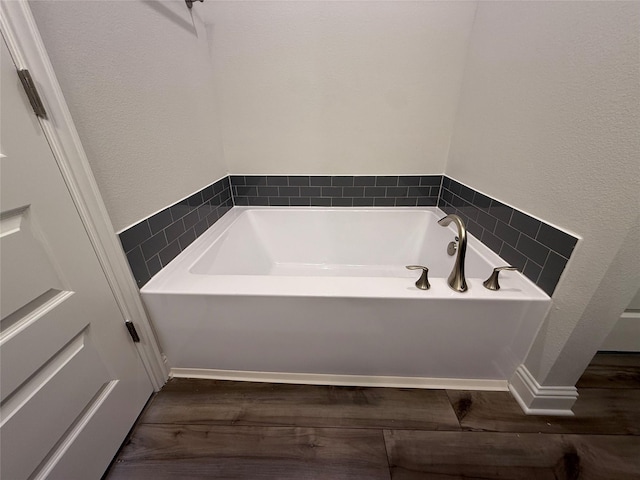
386, 451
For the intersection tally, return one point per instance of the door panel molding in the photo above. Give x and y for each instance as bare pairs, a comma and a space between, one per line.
42, 322
49, 386
27, 50
74, 436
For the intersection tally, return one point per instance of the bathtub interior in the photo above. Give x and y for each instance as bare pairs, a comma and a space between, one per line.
325, 242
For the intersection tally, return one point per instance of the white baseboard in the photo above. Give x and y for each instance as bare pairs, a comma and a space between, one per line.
344, 380
625, 336
536, 399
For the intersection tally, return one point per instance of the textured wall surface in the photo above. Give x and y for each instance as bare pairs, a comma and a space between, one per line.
635, 303
138, 81
548, 122
321, 87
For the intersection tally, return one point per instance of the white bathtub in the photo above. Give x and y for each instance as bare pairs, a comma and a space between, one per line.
313, 295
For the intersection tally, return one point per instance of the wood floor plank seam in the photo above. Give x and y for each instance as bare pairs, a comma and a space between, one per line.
386, 453
307, 425
346, 427
343, 427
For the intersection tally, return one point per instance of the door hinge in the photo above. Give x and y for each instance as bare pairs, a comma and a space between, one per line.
32, 93
132, 331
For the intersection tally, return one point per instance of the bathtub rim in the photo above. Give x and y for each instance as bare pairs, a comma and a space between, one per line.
176, 278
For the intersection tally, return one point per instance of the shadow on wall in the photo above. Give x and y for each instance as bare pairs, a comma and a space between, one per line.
161, 8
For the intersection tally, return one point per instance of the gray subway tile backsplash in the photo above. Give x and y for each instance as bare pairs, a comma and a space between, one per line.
152, 243
375, 191
277, 180
279, 201
170, 252
353, 191
532, 271
134, 236
364, 181
259, 201
138, 265
431, 180
299, 181
190, 219
160, 221
342, 181
253, 180
310, 191
320, 201
363, 202
386, 181
173, 231
384, 202
397, 191
406, 202
532, 249
154, 265
300, 201
339, 190
186, 238
513, 256
427, 201
267, 191
332, 191
525, 224
506, 233
539, 250
408, 181
550, 274
320, 181
342, 202
288, 191
556, 240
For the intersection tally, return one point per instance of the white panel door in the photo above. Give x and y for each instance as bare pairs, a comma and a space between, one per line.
71, 381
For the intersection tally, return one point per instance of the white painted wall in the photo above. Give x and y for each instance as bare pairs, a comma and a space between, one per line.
338, 87
635, 302
548, 122
625, 335
138, 80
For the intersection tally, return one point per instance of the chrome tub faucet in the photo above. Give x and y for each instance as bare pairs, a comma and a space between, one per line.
456, 279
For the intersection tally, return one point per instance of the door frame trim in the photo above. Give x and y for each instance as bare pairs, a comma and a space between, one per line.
21, 34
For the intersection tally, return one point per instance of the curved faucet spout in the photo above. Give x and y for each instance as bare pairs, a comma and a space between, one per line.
457, 280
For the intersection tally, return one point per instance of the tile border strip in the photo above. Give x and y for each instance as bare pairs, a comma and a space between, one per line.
539, 250
336, 190
152, 243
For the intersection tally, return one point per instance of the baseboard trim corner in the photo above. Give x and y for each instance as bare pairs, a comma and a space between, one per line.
536, 399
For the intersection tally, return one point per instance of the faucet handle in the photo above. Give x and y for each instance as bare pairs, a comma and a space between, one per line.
492, 282
423, 282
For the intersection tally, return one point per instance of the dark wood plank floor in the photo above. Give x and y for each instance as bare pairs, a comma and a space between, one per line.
241, 430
